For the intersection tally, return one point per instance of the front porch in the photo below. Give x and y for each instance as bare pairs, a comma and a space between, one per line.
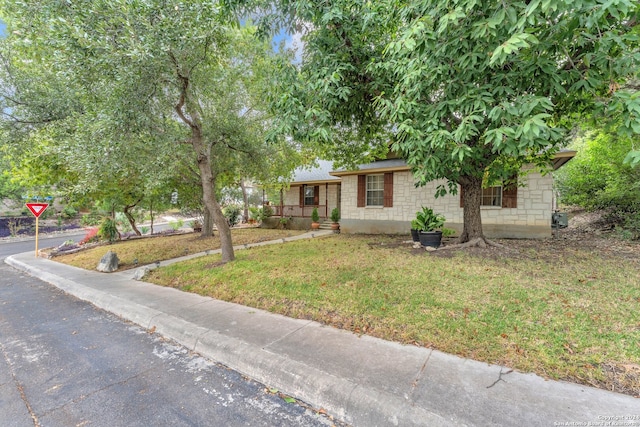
296, 205
300, 200
297, 211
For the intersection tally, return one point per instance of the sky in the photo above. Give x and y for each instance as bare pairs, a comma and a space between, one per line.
293, 42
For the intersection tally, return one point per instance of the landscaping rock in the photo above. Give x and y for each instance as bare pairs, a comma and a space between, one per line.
108, 263
140, 273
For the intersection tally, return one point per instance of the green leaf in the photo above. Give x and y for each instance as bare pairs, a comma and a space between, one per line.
632, 158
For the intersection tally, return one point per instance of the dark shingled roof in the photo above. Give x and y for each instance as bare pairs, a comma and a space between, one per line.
314, 174
379, 164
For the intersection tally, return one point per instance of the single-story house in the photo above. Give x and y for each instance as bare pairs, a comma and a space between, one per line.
380, 197
310, 188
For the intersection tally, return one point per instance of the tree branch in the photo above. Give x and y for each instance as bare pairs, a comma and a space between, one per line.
184, 86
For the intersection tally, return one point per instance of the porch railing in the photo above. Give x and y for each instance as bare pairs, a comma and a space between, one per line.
298, 211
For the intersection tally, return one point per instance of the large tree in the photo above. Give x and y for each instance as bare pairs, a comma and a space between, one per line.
465, 90
143, 67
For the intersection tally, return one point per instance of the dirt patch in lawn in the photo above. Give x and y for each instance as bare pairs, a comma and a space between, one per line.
587, 231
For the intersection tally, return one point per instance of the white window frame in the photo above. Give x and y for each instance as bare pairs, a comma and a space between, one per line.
492, 196
309, 194
374, 190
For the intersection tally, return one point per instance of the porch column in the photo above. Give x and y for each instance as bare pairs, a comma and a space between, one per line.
326, 199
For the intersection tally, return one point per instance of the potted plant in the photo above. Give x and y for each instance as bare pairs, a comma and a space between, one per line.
196, 224
335, 219
315, 219
415, 232
429, 224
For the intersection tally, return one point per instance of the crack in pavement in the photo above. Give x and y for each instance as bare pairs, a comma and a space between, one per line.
84, 396
500, 377
20, 389
414, 384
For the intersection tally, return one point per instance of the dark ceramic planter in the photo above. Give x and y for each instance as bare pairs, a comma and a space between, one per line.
431, 238
415, 235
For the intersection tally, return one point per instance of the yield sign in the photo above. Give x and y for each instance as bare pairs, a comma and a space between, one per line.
37, 208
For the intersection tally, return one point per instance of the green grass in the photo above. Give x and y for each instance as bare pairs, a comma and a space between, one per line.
571, 314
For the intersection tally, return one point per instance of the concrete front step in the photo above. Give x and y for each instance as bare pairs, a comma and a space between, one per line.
326, 225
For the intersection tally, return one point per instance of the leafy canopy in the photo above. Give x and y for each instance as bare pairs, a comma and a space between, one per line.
465, 90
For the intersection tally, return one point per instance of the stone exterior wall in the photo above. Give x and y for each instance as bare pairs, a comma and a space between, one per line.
531, 218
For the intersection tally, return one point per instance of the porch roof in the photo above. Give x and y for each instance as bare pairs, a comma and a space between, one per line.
315, 175
380, 166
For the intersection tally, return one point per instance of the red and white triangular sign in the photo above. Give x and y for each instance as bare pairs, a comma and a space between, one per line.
37, 208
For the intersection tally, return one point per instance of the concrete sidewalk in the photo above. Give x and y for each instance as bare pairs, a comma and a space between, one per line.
361, 380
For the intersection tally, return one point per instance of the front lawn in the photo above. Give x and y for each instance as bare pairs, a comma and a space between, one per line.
159, 248
560, 309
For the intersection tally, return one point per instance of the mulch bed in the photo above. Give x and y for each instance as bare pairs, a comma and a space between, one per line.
26, 226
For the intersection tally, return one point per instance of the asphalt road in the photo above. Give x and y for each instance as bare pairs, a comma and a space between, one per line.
9, 247
64, 362
15, 247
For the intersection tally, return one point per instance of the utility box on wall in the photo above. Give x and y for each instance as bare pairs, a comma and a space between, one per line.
559, 220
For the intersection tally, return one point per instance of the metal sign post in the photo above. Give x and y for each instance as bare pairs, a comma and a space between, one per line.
37, 209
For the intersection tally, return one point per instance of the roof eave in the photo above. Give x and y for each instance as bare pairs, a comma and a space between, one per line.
316, 182
370, 171
562, 157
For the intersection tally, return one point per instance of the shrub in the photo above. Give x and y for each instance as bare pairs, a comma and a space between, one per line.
15, 226
260, 214
314, 215
90, 236
176, 225
123, 222
335, 215
232, 214
90, 219
598, 177
108, 230
254, 212
630, 228
68, 213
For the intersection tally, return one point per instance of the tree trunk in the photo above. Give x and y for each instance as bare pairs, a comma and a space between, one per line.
207, 223
151, 214
245, 201
203, 153
132, 220
209, 197
472, 199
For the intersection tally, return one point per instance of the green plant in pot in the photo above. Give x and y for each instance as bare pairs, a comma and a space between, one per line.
335, 219
429, 224
315, 219
415, 232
